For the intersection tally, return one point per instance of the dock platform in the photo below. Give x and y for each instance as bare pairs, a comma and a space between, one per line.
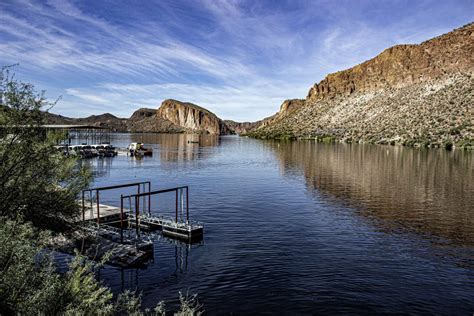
138, 216
109, 217
106, 213
189, 231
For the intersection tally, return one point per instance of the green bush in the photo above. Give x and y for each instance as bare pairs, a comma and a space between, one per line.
38, 184
39, 187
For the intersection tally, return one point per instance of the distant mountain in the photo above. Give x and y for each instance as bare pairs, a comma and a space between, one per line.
409, 94
192, 117
242, 128
420, 95
171, 117
104, 120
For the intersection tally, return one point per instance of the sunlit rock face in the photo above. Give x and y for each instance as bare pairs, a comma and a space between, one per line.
191, 117
403, 65
147, 120
418, 95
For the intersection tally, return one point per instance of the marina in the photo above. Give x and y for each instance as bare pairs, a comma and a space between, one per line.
90, 141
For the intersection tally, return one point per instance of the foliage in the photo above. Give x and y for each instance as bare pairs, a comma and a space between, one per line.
189, 305
30, 284
37, 183
26, 279
38, 189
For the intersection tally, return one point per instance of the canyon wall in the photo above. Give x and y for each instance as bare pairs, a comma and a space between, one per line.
192, 117
409, 94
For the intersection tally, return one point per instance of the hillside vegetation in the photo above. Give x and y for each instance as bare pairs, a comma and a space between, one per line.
419, 95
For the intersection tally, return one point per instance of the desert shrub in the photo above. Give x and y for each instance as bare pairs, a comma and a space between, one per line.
38, 184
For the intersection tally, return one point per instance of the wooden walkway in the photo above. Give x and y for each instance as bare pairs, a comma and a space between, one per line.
106, 212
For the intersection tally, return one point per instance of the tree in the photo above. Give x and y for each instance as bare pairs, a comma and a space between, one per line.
37, 183
38, 190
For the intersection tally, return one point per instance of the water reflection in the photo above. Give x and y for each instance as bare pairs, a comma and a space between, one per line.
182, 147
427, 191
100, 167
171, 251
300, 228
181, 258
173, 147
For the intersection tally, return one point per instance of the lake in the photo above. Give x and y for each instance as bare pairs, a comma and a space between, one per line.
306, 227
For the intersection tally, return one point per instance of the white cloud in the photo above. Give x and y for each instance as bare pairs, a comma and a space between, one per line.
239, 59
249, 103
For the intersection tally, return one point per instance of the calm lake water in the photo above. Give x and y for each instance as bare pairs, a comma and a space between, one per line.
305, 227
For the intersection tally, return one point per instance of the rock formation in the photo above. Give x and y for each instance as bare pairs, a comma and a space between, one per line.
403, 65
192, 117
148, 121
172, 117
287, 107
410, 94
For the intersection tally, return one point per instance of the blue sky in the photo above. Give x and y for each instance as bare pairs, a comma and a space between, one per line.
239, 59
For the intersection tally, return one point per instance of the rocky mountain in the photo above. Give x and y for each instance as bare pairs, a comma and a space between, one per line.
148, 121
410, 94
103, 120
171, 117
242, 127
192, 117
287, 107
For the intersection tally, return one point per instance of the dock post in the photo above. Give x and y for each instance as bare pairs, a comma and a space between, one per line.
98, 208
83, 208
121, 218
187, 204
176, 205
137, 201
149, 198
92, 206
181, 194
136, 216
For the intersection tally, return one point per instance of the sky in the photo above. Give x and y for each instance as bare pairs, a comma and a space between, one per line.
239, 59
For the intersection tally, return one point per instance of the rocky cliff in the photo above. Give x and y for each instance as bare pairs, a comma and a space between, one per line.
171, 117
148, 121
403, 65
410, 94
192, 117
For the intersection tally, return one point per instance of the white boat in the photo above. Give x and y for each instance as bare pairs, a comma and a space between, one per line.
138, 150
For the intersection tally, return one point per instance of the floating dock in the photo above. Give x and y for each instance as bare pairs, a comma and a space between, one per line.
139, 216
125, 233
187, 231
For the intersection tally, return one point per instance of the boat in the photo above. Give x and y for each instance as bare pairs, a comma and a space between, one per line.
139, 150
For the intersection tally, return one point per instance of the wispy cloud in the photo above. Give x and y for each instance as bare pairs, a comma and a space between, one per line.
227, 102
241, 59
